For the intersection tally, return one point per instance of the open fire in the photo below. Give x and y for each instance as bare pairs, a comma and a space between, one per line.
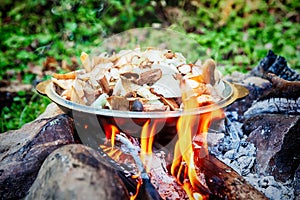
153, 127
181, 163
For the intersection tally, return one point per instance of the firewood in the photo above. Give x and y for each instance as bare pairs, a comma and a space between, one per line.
282, 88
147, 190
224, 182
275, 64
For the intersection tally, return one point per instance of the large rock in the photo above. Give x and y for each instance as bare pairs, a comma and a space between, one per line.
77, 172
277, 139
23, 151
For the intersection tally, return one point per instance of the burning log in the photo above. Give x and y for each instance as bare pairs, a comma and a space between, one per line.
147, 190
225, 183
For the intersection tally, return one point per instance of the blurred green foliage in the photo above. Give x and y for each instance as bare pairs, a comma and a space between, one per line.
24, 108
236, 33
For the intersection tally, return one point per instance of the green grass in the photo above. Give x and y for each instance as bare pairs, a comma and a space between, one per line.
237, 34
24, 108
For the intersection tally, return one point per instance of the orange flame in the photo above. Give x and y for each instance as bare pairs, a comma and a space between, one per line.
186, 151
147, 138
114, 130
183, 165
139, 183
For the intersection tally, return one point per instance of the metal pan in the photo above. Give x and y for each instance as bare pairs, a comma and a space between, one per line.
95, 124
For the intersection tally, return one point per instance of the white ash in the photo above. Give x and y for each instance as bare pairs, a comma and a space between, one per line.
233, 149
271, 188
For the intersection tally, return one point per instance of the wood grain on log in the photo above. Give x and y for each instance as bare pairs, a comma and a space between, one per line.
225, 183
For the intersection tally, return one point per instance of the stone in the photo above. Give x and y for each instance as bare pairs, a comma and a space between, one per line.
77, 172
277, 139
23, 151
52, 110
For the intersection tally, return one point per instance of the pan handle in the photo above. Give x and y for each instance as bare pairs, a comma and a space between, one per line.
41, 87
240, 91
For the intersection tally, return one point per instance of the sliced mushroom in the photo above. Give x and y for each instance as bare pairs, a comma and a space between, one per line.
64, 84
100, 101
184, 69
152, 106
104, 84
130, 76
145, 92
85, 60
90, 93
70, 75
208, 71
118, 103
167, 86
170, 102
75, 97
204, 100
149, 77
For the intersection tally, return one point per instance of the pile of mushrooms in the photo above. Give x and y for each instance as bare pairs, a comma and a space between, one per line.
136, 80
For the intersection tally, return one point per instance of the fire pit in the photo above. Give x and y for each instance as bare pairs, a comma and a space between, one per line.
142, 166
162, 149
180, 134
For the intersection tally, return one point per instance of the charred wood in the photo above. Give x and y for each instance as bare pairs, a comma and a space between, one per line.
282, 88
257, 87
275, 106
147, 191
269, 95
276, 65
297, 182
